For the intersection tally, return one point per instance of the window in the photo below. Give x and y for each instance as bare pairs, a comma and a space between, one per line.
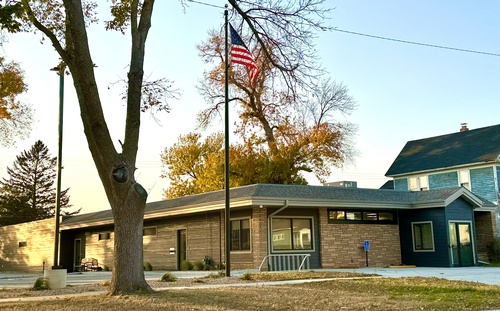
423, 182
336, 215
420, 183
353, 215
362, 217
464, 179
423, 238
413, 184
240, 235
23, 244
104, 236
149, 231
292, 234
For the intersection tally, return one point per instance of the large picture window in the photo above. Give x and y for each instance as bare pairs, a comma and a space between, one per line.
240, 235
423, 237
292, 234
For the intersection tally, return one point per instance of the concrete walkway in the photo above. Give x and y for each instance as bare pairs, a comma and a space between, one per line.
485, 275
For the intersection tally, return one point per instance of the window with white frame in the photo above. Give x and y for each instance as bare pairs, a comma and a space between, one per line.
413, 184
423, 236
420, 183
240, 235
292, 234
464, 179
423, 183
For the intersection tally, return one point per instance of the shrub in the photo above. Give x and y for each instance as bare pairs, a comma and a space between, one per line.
207, 267
198, 265
186, 265
493, 249
168, 277
41, 283
247, 276
105, 268
148, 266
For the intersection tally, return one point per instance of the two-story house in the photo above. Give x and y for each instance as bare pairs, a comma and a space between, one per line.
468, 158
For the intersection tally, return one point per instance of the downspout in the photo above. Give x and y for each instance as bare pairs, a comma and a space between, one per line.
269, 241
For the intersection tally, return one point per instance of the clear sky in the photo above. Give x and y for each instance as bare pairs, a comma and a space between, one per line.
403, 91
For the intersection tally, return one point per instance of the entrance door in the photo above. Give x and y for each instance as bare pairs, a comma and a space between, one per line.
181, 247
77, 254
462, 250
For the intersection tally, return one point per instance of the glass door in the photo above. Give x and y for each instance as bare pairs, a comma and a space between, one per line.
462, 250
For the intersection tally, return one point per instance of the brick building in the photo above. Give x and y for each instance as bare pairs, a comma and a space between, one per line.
332, 226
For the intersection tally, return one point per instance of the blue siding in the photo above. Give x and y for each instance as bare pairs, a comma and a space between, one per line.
482, 182
440, 257
498, 179
401, 184
459, 210
443, 180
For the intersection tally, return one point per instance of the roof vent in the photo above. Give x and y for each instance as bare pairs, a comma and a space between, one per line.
463, 127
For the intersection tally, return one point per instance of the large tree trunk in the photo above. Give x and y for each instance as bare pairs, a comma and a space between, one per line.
126, 197
128, 272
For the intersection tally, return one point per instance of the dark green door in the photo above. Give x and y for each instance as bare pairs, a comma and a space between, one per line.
462, 250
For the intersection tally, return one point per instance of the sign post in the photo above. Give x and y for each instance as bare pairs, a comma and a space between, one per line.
367, 248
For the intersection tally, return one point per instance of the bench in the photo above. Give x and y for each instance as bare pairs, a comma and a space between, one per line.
89, 264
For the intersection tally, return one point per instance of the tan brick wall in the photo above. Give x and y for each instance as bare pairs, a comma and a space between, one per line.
39, 238
342, 244
203, 239
101, 250
259, 235
485, 224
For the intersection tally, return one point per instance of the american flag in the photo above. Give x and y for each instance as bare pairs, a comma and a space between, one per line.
241, 55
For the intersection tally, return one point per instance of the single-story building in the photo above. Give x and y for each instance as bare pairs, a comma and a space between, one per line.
333, 227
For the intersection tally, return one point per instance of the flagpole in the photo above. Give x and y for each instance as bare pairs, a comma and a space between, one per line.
226, 154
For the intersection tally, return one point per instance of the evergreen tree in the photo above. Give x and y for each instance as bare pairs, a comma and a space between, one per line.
29, 193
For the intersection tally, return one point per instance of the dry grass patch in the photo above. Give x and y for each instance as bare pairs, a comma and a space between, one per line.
339, 294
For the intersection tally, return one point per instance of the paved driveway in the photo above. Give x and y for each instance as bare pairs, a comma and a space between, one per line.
474, 274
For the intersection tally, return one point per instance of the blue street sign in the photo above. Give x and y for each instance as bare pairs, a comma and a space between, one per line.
367, 245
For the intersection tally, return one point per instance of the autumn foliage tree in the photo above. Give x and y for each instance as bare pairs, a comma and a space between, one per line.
15, 116
283, 133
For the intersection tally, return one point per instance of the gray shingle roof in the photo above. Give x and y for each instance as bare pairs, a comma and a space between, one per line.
303, 193
480, 145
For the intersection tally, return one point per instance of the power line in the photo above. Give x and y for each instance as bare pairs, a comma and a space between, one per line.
207, 4
417, 43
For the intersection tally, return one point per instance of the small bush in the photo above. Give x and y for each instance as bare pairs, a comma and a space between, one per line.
105, 268
41, 283
207, 267
493, 249
148, 266
198, 265
247, 276
221, 266
186, 265
168, 277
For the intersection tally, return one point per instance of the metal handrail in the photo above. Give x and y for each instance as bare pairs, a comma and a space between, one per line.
306, 256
